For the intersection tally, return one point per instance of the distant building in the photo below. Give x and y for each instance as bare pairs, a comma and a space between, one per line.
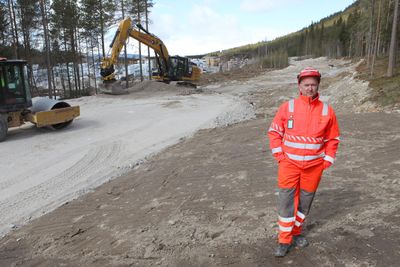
212, 61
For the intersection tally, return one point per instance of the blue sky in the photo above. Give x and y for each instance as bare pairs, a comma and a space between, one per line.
196, 27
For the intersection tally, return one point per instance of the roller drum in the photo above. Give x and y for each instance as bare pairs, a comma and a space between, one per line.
46, 104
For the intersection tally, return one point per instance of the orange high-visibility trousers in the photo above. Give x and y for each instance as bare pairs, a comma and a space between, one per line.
297, 188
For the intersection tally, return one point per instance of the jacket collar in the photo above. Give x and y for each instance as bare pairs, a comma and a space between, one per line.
308, 99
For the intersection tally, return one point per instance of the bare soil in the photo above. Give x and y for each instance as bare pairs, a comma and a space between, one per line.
210, 199
239, 74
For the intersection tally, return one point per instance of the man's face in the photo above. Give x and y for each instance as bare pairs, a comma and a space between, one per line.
309, 87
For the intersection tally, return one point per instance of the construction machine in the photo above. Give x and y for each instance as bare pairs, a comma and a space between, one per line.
17, 106
170, 68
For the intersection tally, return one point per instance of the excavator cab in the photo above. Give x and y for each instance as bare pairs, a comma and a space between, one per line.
180, 67
14, 88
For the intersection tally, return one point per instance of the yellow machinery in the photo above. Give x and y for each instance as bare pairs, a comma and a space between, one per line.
170, 68
17, 106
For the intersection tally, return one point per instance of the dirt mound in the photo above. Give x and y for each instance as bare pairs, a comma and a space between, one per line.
151, 86
244, 73
119, 87
148, 88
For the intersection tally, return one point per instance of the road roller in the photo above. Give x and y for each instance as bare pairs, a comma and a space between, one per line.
17, 106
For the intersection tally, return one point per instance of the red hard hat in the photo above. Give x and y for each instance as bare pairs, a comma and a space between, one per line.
309, 72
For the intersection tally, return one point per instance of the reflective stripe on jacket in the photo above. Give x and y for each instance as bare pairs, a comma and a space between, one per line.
306, 130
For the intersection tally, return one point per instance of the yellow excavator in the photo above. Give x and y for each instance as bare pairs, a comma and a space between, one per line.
170, 68
17, 106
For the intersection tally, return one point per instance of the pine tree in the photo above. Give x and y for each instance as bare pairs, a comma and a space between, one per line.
4, 25
65, 19
392, 50
97, 16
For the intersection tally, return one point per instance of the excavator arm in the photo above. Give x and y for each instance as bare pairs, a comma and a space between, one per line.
118, 42
158, 47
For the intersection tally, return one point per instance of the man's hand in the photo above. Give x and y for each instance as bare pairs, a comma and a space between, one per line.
279, 156
327, 164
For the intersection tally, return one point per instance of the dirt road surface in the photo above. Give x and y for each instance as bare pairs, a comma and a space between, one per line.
210, 199
41, 169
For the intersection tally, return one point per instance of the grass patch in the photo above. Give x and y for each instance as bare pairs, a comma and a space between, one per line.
385, 90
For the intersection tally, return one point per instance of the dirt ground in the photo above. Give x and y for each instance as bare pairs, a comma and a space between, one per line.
210, 199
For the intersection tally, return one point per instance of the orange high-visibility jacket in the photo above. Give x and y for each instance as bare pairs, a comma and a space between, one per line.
306, 131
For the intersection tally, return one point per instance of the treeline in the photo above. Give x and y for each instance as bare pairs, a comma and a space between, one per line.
60, 34
366, 29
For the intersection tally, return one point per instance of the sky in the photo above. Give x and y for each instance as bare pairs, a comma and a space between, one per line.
189, 27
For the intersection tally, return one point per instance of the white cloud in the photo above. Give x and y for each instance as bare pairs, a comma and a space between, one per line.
200, 30
203, 29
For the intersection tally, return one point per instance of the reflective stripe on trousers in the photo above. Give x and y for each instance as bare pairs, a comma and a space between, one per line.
296, 192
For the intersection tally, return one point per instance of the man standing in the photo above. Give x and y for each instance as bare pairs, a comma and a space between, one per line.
304, 137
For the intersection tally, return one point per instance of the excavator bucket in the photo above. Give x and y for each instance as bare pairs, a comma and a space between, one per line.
114, 88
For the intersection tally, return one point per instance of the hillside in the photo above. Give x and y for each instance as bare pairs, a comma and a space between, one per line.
360, 32
248, 50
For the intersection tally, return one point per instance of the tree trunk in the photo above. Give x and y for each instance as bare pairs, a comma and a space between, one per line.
371, 21
47, 45
74, 62
13, 28
375, 44
350, 47
63, 83
69, 81
53, 80
140, 44
148, 48
94, 66
102, 28
79, 49
125, 52
392, 49
67, 64
87, 62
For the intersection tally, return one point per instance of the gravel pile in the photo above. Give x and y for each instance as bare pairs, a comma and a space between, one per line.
239, 111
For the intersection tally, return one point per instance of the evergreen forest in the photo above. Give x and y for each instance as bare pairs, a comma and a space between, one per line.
61, 35
366, 29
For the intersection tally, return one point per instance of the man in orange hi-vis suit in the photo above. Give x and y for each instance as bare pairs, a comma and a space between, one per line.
304, 137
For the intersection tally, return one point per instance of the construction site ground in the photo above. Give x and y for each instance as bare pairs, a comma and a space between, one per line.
206, 195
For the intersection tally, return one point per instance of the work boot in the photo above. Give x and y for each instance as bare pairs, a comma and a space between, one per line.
282, 250
300, 241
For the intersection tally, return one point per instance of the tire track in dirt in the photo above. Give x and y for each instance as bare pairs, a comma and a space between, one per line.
95, 165
143, 127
